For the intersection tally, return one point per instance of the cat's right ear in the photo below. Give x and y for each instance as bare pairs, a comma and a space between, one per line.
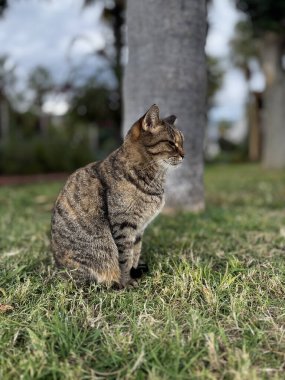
151, 119
170, 119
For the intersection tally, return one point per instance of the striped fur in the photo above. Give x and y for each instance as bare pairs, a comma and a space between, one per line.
101, 213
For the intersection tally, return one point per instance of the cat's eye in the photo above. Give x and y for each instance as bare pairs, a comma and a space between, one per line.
172, 144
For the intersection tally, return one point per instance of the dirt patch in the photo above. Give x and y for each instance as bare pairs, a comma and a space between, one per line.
33, 178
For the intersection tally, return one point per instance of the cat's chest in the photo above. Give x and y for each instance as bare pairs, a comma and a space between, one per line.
149, 217
144, 212
136, 207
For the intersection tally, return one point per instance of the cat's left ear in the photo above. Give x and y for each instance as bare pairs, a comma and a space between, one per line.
170, 119
151, 118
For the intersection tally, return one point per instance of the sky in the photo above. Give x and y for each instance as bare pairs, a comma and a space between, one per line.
35, 32
230, 100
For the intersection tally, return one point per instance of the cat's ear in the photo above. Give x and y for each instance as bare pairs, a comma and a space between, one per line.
151, 118
170, 119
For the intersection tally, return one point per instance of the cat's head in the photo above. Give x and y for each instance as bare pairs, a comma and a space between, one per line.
158, 139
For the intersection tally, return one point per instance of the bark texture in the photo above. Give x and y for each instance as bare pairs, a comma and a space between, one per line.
274, 103
167, 66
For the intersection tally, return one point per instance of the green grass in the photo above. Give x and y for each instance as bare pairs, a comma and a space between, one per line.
212, 306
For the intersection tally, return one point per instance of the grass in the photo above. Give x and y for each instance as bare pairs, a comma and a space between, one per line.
212, 306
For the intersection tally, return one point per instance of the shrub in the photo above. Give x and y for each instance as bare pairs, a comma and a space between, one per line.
57, 151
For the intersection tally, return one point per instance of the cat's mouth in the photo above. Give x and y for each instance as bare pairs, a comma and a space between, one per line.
174, 161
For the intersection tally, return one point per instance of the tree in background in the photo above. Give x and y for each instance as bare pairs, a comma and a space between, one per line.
215, 76
96, 105
41, 84
7, 81
244, 51
167, 67
113, 15
267, 25
3, 6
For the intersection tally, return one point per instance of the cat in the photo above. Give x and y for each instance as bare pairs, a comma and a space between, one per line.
102, 211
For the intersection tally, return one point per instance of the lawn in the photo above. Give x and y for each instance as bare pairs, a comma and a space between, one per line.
211, 307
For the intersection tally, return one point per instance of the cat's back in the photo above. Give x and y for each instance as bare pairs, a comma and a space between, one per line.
79, 204
81, 240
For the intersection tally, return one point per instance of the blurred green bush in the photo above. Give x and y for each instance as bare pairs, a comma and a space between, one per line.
57, 150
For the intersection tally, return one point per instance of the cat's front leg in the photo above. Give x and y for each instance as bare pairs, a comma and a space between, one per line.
126, 252
139, 266
137, 250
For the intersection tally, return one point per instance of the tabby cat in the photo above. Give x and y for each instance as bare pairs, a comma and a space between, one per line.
101, 213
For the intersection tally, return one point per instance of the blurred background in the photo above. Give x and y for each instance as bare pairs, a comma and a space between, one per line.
61, 65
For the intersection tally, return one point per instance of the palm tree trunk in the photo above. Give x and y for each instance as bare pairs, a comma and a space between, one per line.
167, 67
274, 103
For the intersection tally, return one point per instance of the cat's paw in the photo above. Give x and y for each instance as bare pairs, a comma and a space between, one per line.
131, 283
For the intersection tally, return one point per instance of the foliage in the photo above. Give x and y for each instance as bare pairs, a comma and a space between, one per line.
40, 82
94, 101
244, 46
215, 75
212, 306
230, 153
3, 6
55, 152
33, 145
7, 74
97, 105
265, 15
89, 131
113, 15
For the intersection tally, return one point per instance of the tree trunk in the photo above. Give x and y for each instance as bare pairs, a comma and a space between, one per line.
167, 67
118, 14
274, 103
4, 118
255, 126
